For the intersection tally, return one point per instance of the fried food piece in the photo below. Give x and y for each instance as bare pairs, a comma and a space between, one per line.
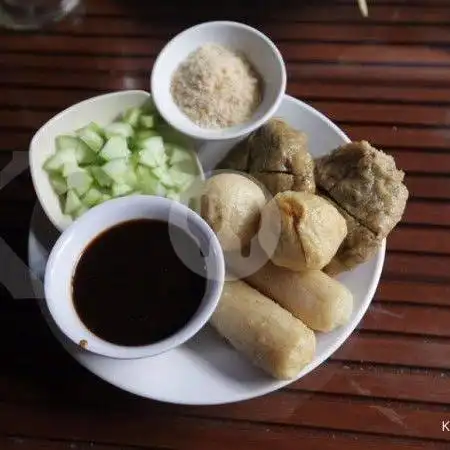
366, 183
319, 301
268, 335
276, 182
304, 229
272, 152
359, 245
231, 204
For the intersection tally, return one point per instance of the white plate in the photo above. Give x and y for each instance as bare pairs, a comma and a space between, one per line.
206, 370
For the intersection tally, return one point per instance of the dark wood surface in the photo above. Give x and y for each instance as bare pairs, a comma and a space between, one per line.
386, 79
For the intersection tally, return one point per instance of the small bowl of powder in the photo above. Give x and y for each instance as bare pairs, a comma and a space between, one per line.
218, 80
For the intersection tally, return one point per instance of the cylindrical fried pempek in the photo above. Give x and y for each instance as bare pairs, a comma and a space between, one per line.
315, 298
271, 337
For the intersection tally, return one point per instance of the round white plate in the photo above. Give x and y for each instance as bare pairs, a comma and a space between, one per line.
206, 370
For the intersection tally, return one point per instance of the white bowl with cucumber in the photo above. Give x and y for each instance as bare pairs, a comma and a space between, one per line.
106, 147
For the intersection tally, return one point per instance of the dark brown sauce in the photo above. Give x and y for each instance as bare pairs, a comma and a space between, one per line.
131, 288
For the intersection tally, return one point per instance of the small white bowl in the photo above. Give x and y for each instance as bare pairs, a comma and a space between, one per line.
258, 48
102, 109
72, 242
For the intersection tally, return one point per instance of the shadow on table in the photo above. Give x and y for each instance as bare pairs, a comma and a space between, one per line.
185, 14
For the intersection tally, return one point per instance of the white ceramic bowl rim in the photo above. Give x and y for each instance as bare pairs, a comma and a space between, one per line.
191, 129
65, 254
102, 109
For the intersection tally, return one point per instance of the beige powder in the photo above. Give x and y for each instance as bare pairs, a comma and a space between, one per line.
216, 88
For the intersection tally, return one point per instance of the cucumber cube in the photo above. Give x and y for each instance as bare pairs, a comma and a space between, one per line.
142, 135
131, 116
117, 169
58, 183
181, 180
58, 160
65, 141
79, 181
119, 129
119, 190
69, 167
91, 137
187, 166
163, 175
178, 155
153, 154
54, 163
96, 128
148, 183
147, 121
85, 155
92, 197
72, 203
131, 178
79, 212
115, 148
100, 176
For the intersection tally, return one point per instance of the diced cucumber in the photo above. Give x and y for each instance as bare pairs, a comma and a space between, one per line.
150, 158
119, 129
138, 153
163, 175
153, 154
181, 180
133, 160
118, 190
57, 161
131, 116
187, 166
80, 181
131, 178
117, 169
53, 163
115, 148
100, 176
65, 141
69, 167
58, 183
79, 212
96, 128
178, 155
72, 203
142, 135
91, 137
147, 121
154, 143
85, 155
148, 183
92, 197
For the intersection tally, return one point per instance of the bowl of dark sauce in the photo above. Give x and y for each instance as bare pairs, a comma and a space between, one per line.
134, 277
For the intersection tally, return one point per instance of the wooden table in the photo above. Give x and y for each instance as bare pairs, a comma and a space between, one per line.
387, 79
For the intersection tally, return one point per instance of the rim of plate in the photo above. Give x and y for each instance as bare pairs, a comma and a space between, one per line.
276, 385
